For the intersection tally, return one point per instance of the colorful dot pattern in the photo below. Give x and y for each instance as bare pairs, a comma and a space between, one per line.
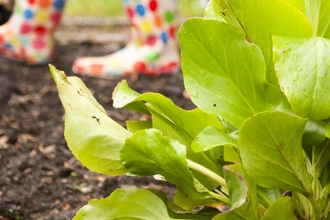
154, 18
155, 22
153, 48
31, 29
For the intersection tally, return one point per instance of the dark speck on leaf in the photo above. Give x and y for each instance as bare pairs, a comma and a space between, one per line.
214, 105
96, 118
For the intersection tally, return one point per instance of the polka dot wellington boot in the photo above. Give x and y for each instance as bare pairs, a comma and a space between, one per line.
153, 48
29, 33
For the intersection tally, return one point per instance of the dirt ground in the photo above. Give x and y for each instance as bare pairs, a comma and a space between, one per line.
40, 178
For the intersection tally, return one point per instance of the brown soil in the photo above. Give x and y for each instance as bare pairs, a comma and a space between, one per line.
40, 178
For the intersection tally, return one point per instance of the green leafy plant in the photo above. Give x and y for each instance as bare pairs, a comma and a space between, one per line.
257, 146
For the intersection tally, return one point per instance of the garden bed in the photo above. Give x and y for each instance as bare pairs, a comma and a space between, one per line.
40, 179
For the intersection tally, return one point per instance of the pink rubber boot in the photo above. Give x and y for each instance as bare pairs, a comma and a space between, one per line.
29, 33
153, 48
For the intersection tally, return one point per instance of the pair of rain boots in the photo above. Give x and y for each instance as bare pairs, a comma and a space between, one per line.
28, 36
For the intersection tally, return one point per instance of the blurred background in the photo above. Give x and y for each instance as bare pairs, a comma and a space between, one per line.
114, 8
104, 8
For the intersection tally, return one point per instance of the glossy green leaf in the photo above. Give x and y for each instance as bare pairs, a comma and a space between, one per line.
173, 121
303, 72
235, 87
243, 195
272, 153
124, 96
169, 128
318, 13
93, 137
125, 204
162, 122
137, 204
212, 137
282, 208
262, 19
148, 152
183, 133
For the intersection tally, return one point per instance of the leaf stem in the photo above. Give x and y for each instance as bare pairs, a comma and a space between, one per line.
199, 168
219, 192
213, 176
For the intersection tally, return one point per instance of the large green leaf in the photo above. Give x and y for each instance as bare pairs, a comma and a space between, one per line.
243, 195
318, 13
137, 204
125, 204
212, 137
260, 19
303, 72
148, 152
272, 153
173, 121
282, 208
235, 86
181, 124
93, 137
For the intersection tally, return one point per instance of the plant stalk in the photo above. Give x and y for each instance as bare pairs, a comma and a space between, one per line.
215, 177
